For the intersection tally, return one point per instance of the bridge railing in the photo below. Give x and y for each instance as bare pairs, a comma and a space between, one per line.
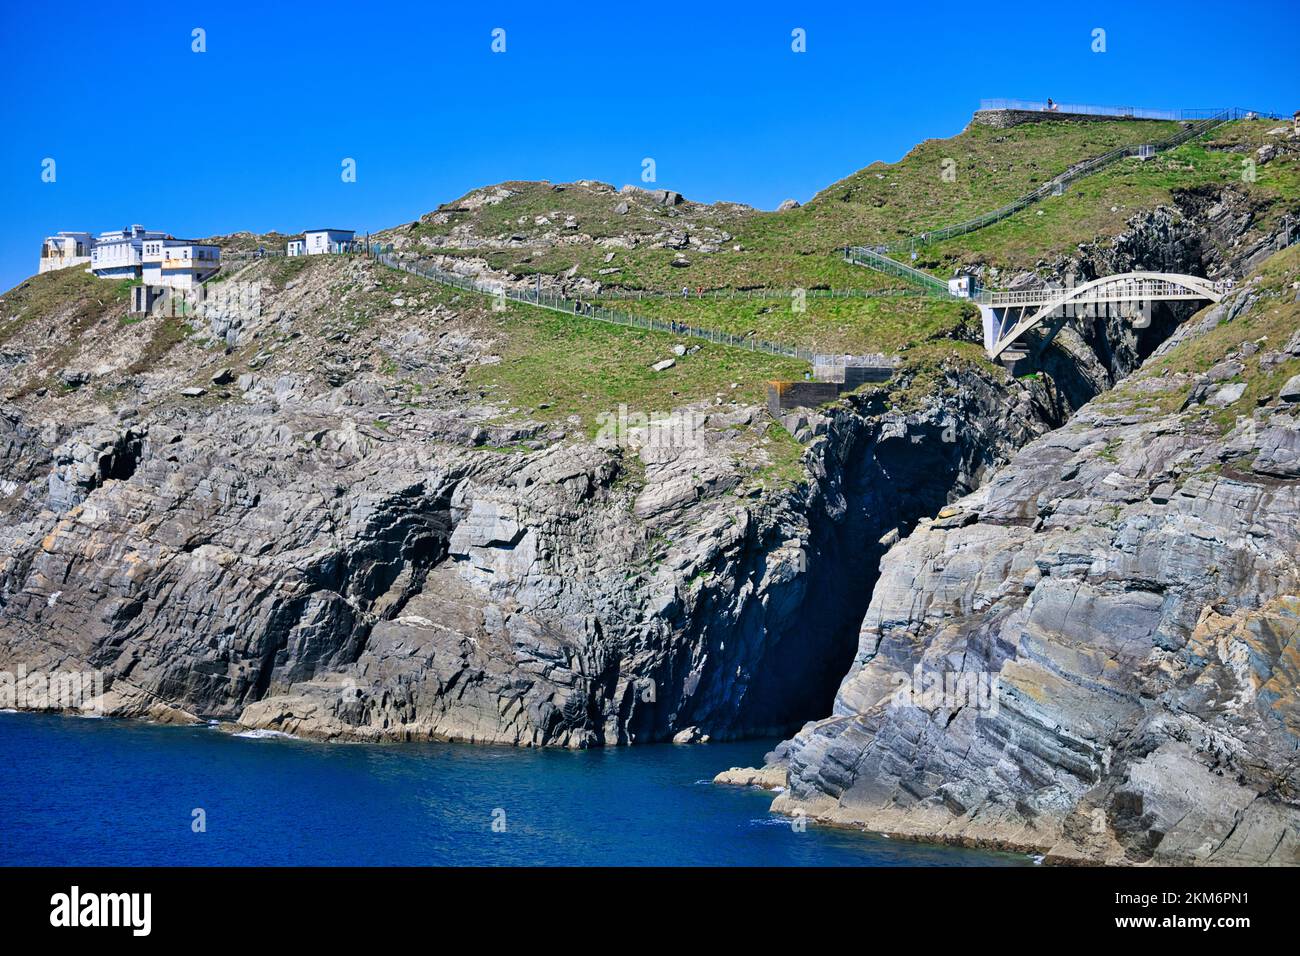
1122, 289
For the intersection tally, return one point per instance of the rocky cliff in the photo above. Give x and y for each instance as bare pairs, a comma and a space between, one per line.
303, 516
1094, 655
343, 502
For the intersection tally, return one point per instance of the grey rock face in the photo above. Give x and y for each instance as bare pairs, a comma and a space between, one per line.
318, 553
295, 570
1094, 655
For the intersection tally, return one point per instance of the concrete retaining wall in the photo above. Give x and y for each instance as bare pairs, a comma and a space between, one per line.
782, 396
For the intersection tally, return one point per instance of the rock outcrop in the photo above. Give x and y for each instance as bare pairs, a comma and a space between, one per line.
1093, 656
339, 538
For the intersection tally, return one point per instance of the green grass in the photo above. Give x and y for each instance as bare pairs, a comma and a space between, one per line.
581, 367
73, 294
785, 469
1272, 319
850, 325
168, 332
1101, 204
797, 248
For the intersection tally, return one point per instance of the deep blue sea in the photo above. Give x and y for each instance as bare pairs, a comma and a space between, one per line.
81, 792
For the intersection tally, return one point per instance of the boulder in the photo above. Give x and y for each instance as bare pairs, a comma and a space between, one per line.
1228, 394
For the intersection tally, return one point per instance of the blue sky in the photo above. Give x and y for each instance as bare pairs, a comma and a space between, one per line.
252, 133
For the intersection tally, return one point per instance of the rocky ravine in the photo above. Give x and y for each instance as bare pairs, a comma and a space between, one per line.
1131, 585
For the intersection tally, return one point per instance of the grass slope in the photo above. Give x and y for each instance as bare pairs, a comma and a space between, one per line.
1101, 204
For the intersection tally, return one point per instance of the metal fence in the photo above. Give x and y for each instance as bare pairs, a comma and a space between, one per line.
1120, 112
876, 259
590, 310
764, 294
1058, 183
252, 254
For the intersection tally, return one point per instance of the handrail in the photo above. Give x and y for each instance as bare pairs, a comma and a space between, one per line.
760, 294
1119, 112
875, 259
1079, 170
585, 309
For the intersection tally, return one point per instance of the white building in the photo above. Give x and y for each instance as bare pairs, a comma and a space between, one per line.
65, 249
962, 286
297, 247
178, 263
320, 241
120, 254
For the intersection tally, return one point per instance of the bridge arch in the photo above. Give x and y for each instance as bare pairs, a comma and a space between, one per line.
1122, 287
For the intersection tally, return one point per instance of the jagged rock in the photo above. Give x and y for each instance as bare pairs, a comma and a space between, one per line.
787, 205
691, 735
1221, 371
1130, 692
1279, 450
1291, 390
769, 778
1227, 394
334, 556
662, 197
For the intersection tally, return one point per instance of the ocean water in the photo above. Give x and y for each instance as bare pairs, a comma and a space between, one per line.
81, 792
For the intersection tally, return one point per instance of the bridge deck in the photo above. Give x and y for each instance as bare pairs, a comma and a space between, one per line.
1118, 289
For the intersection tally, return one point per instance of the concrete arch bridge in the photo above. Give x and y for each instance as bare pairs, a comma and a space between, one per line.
1009, 315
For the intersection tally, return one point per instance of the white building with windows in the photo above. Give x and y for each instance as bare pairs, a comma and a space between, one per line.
65, 249
297, 247
178, 263
321, 241
120, 254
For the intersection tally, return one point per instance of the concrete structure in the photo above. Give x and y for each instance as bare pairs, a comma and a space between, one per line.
296, 247
65, 249
832, 376
962, 286
782, 396
120, 254
178, 263
321, 241
1009, 315
144, 297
